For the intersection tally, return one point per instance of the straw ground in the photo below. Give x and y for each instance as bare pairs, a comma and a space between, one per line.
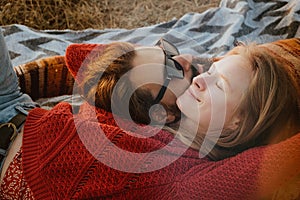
97, 14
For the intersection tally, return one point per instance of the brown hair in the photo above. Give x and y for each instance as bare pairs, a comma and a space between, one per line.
101, 78
269, 109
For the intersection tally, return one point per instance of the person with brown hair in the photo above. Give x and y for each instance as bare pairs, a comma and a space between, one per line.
162, 72
62, 155
235, 105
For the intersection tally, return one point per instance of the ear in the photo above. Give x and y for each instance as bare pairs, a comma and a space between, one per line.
216, 59
234, 123
159, 115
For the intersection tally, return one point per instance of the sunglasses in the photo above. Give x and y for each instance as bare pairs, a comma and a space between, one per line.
172, 68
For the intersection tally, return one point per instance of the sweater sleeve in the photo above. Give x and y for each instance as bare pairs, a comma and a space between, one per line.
35, 145
254, 174
258, 173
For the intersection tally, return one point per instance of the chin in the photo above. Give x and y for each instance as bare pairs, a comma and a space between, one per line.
184, 105
179, 103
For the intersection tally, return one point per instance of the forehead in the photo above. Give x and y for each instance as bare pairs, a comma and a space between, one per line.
236, 69
234, 63
148, 66
148, 55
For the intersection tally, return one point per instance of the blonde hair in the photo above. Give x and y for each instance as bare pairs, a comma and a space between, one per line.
268, 111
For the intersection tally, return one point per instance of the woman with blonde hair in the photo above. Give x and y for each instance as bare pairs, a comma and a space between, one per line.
63, 155
268, 108
253, 89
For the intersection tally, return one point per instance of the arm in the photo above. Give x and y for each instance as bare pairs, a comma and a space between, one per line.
267, 172
8, 78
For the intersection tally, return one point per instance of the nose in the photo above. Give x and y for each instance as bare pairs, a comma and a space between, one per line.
199, 82
185, 60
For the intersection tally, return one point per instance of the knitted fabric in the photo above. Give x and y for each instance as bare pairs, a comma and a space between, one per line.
59, 160
287, 52
79, 55
57, 165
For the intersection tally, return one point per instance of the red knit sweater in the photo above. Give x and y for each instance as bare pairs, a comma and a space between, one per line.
57, 165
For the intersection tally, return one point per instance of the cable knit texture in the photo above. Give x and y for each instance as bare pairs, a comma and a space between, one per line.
57, 165
79, 55
62, 155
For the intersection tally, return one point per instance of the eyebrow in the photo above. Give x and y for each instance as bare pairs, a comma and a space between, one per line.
222, 75
226, 80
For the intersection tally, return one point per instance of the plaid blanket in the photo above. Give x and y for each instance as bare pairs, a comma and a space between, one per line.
212, 32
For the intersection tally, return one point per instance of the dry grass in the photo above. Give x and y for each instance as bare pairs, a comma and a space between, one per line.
98, 14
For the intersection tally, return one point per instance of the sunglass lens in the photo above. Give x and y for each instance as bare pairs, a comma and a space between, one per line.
170, 48
174, 69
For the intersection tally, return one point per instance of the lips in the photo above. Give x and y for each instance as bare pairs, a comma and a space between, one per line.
190, 91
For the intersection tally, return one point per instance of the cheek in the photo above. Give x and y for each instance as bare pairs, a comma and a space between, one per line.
215, 110
153, 88
199, 113
178, 86
169, 97
233, 101
231, 106
188, 106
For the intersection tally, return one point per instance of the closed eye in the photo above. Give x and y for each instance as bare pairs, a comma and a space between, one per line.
219, 85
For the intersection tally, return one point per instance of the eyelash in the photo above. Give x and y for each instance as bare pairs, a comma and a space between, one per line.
218, 86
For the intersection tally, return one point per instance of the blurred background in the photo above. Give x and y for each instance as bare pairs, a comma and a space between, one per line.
96, 14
